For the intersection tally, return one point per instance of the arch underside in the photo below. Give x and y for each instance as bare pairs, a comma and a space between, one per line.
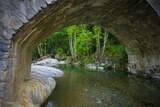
135, 24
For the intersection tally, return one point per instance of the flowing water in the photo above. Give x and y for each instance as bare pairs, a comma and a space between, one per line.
85, 88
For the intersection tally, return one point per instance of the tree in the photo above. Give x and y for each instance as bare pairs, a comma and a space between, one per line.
83, 43
104, 44
72, 31
99, 54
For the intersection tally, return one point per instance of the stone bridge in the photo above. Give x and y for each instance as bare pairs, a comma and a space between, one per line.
25, 23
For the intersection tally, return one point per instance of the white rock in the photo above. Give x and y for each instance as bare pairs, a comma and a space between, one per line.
156, 76
102, 64
46, 71
93, 67
47, 62
62, 62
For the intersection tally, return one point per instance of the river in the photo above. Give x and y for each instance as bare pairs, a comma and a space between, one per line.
80, 87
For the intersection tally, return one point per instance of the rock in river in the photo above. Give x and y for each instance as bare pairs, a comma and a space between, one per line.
34, 91
47, 62
46, 71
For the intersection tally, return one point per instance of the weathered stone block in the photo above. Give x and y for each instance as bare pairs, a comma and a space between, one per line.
3, 65
4, 55
37, 4
2, 85
5, 35
140, 64
5, 41
5, 29
50, 1
1, 95
12, 19
42, 3
3, 75
26, 7
4, 48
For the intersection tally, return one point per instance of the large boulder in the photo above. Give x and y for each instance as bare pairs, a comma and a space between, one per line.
46, 71
33, 92
47, 62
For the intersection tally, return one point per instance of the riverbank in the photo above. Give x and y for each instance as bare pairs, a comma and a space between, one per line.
36, 90
150, 72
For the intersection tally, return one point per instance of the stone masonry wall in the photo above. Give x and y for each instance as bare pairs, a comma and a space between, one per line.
13, 15
16, 14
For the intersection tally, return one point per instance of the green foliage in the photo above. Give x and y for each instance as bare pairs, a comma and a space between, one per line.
86, 39
59, 51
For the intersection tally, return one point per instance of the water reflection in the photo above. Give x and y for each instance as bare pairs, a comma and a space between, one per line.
83, 88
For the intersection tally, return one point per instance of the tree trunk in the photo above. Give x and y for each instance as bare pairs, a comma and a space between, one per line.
104, 44
40, 50
75, 47
70, 45
98, 53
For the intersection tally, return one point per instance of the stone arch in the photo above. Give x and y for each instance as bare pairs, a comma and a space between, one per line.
134, 23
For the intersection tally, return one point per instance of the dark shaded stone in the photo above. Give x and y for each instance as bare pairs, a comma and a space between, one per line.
37, 4
156, 5
3, 64
5, 41
4, 55
50, 1
4, 48
5, 35
5, 29
17, 13
26, 7
2, 86
41, 3
11, 19
1, 94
